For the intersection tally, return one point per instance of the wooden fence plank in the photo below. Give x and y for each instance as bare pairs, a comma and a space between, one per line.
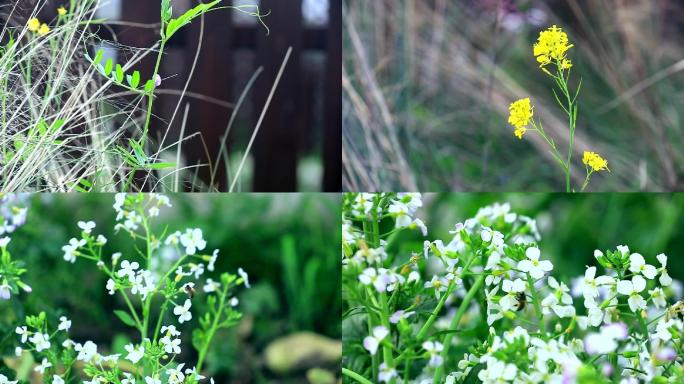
332, 152
212, 77
276, 151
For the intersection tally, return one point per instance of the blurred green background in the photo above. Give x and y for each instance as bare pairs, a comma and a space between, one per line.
427, 86
573, 226
288, 244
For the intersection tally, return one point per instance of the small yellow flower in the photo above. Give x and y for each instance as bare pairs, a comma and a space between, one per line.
551, 46
33, 25
61, 11
520, 132
44, 30
521, 113
595, 161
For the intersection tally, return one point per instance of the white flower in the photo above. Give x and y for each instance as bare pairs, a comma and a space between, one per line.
171, 345
496, 238
590, 284
211, 286
401, 212
418, 223
234, 302
57, 380
439, 284
101, 240
637, 264
41, 341
434, 348
400, 315
244, 276
128, 269
70, 250
151, 380
134, 353
212, 261
171, 330
111, 286
18, 351
64, 324
197, 270
5, 380
663, 330
23, 332
4, 241
665, 279
498, 372
5, 292
512, 288
86, 352
378, 278
633, 289
45, 364
183, 312
87, 227
176, 376
193, 372
600, 343
658, 296
386, 373
532, 265
129, 379
372, 342
192, 241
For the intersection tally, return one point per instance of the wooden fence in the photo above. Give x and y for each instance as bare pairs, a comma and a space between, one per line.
305, 115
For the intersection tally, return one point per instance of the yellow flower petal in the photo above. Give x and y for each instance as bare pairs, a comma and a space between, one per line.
61, 11
594, 161
33, 25
44, 30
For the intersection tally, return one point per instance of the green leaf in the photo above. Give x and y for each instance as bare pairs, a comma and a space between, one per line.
160, 165
119, 74
98, 57
109, 65
149, 86
176, 24
134, 80
125, 318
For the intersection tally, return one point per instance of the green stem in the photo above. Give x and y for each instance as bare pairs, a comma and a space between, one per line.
214, 326
439, 373
433, 315
537, 306
150, 97
355, 376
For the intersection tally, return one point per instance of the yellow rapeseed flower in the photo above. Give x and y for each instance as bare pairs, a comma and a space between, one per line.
33, 25
521, 113
551, 47
595, 161
44, 30
61, 11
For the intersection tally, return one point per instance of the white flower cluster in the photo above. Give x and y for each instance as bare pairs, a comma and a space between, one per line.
625, 328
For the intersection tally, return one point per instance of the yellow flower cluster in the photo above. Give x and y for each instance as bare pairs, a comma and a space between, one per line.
34, 25
595, 161
520, 115
61, 11
551, 47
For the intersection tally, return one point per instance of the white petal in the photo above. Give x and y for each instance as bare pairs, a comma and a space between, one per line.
624, 287
649, 271
545, 265
525, 265
532, 253
639, 283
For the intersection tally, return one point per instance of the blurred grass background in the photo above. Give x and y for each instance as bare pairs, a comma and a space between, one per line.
288, 243
573, 226
427, 84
